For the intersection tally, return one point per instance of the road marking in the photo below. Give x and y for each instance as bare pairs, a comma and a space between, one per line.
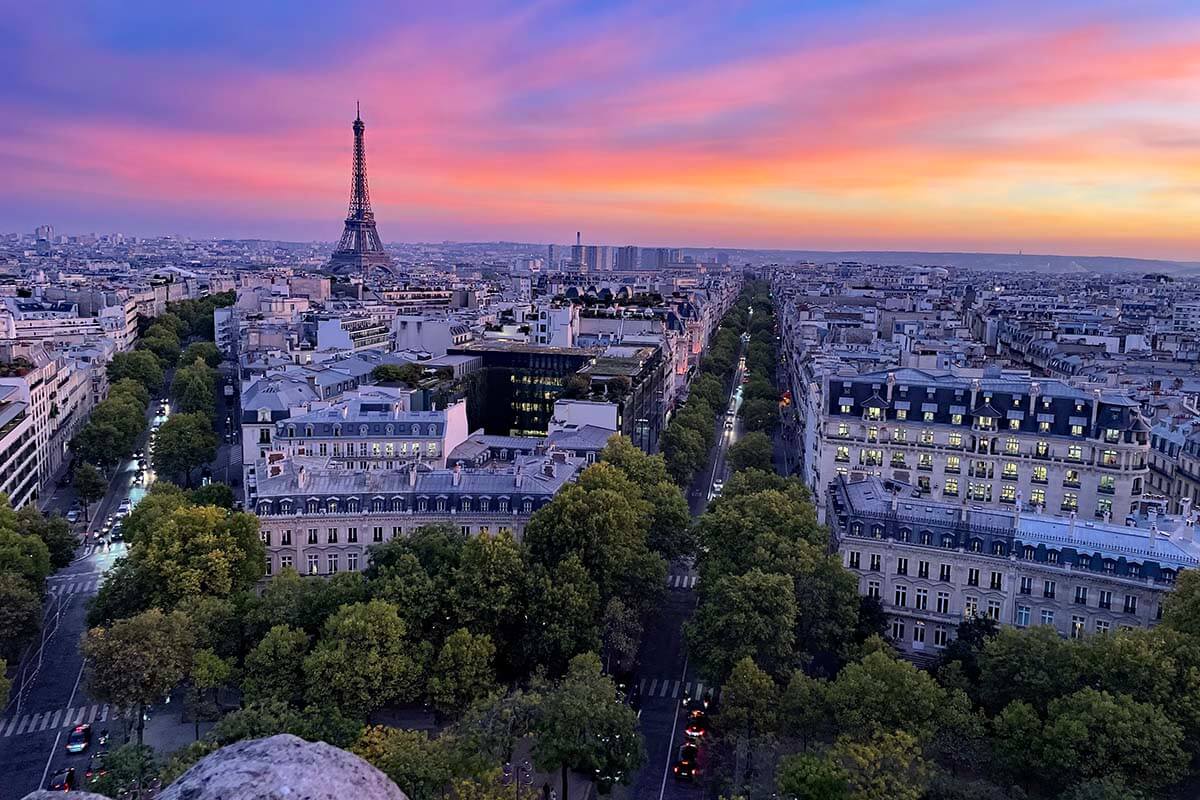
92, 716
670, 745
58, 736
642, 687
104, 713
687, 689
45, 722
12, 723
675, 691
24, 721
653, 686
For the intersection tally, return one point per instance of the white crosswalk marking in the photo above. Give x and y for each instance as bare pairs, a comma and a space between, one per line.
653, 686
56, 718
681, 581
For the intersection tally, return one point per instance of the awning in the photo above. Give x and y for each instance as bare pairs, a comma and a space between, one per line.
1045, 418
958, 409
930, 407
901, 405
1016, 414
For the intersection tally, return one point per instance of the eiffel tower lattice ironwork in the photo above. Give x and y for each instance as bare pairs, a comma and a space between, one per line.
360, 247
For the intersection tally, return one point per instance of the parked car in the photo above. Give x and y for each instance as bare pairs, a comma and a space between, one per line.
62, 781
125, 507
79, 738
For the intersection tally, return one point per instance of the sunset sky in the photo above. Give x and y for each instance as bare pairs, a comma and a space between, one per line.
1064, 127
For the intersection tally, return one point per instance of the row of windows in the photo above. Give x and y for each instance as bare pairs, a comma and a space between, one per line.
941, 634
374, 450
363, 430
396, 504
333, 535
980, 422
1001, 548
978, 468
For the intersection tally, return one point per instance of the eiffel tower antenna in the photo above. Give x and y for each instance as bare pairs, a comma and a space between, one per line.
360, 247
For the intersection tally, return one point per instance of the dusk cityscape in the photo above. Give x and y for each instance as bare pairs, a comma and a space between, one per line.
565, 401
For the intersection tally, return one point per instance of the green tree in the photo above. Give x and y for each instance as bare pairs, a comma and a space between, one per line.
1181, 607
208, 673
1034, 665
487, 586
137, 365
20, 615
827, 605
1092, 734
749, 701
5, 683
463, 672
886, 766
622, 635
709, 389
412, 759
751, 615
669, 532
884, 694
760, 414
579, 727
274, 668
127, 590
26, 556
90, 486
752, 451
577, 387
165, 350
214, 494
684, 450
564, 606
809, 777
201, 550
406, 584
127, 765
205, 351
194, 389
185, 442
324, 723
137, 661
805, 709
55, 533
129, 388
156, 506
363, 660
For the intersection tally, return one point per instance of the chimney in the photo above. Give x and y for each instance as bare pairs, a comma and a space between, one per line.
548, 469
1071, 527
1095, 407
1153, 537
518, 479
1017, 510
895, 501
412, 475
457, 474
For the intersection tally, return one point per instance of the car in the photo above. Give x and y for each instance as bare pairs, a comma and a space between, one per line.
687, 767
79, 738
72, 516
125, 507
108, 523
62, 781
96, 768
697, 724
116, 534
718, 486
729, 423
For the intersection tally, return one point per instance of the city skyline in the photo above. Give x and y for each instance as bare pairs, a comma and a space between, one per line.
999, 128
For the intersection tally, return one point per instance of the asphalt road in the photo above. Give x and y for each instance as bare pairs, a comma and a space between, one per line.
664, 675
48, 693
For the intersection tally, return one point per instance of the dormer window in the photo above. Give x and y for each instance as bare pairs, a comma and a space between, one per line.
391, 429
416, 430
308, 431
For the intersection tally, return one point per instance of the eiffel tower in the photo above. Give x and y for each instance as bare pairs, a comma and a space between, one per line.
360, 247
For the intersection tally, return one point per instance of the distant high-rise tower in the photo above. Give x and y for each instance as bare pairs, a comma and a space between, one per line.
360, 247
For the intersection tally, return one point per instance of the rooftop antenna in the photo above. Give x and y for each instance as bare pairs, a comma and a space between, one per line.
357, 110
